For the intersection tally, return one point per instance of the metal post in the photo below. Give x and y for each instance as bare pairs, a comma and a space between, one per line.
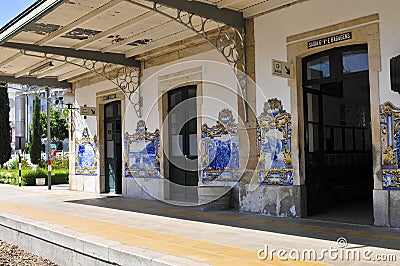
27, 138
48, 139
19, 169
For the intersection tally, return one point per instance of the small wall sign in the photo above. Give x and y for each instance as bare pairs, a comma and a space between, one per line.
331, 39
281, 69
88, 111
109, 97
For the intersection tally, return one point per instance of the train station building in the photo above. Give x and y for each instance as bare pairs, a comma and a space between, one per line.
286, 108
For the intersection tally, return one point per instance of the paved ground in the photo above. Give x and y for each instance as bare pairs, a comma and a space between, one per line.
218, 238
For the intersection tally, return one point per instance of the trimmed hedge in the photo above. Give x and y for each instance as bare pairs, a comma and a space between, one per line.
29, 176
58, 176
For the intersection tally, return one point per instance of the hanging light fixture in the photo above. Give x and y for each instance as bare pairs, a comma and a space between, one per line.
41, 68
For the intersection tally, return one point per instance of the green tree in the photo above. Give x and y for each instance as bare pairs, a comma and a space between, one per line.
5, 137
43, 124
58, 124
36, 143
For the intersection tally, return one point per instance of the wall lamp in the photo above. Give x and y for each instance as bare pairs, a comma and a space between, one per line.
68, 100
41, 68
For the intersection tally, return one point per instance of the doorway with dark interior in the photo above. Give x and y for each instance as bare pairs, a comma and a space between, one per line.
113, 147
338, 142
182, 138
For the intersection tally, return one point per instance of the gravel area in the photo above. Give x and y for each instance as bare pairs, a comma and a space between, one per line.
13, 255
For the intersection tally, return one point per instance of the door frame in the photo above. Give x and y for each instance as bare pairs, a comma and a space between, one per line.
183, 89
117, 178
103, 98
168, 83
364, 30
336, 75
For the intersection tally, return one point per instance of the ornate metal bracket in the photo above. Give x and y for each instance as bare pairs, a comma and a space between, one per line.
228, 40
124, 77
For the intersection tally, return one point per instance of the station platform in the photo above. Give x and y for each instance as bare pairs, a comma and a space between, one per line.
76, 228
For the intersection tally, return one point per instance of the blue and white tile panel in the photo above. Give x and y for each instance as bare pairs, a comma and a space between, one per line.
274, 130
220, 149
390, 123
86, 155
141, 153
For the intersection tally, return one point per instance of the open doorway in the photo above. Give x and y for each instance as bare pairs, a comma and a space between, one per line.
183, 157
113, 147
338, 142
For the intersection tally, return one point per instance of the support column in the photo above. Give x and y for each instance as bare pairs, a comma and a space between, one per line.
247, 129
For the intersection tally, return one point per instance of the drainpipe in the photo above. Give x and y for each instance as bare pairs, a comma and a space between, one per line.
48, 139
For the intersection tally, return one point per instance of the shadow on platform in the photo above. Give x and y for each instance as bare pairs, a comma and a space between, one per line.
364, 235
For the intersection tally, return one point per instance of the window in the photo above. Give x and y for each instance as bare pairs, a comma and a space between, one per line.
355, 61
318, 68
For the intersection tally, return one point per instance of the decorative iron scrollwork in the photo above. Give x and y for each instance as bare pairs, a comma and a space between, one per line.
124, 77
227, 39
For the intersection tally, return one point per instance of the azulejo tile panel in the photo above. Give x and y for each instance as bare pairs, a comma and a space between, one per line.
86, 155
274, 130
141, 154
390, 123
220, 149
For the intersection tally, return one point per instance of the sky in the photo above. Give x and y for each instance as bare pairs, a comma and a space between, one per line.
9, 9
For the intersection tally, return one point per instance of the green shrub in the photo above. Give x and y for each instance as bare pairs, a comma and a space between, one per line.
13, 165
29, 176
8, 177
61, 162
59, 176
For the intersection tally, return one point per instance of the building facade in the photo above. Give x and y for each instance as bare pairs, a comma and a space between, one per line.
293, 118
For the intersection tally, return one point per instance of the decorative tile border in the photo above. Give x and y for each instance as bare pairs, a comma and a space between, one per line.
390, 131
220, 149
86, 155
274, 129
141, 154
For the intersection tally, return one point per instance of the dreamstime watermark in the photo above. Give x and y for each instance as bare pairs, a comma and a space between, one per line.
340, 252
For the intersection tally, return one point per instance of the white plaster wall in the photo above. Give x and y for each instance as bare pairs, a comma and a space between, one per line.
218, 87
87, 95
272, 29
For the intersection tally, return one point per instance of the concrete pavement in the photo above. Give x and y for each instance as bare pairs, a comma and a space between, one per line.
89, 229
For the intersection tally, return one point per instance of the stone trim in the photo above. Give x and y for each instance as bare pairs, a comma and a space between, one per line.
368, 34
337, 27
166, 83
100, 102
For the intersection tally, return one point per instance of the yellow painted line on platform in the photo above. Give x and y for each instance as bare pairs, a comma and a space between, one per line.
198, 250
249, 220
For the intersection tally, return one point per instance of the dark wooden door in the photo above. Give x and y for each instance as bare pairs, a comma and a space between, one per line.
113, 147
183, 157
